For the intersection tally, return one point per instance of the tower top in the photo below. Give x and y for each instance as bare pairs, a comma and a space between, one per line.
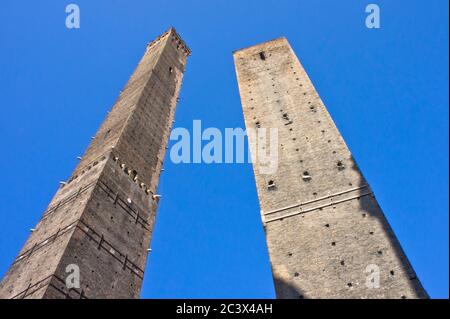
175, 38
258, 46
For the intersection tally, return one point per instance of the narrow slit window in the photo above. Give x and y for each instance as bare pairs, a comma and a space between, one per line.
107, 133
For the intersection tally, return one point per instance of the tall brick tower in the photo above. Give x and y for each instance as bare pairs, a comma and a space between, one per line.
101, 219
327, 237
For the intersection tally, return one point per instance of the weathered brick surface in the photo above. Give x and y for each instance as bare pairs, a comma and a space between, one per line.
322, 222
102, 219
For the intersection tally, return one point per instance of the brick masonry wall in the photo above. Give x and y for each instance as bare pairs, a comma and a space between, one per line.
322, 222
102, 219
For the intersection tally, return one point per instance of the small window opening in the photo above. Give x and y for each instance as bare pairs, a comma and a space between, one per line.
262, 55
306, 176
134, 175
271, 184
170, 70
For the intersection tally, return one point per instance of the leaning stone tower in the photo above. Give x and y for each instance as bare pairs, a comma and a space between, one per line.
326, 234
100, 221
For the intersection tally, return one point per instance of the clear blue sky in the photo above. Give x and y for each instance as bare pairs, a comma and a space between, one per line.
386, 90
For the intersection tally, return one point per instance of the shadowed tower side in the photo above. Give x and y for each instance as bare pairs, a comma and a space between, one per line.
101, 219
327, 237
